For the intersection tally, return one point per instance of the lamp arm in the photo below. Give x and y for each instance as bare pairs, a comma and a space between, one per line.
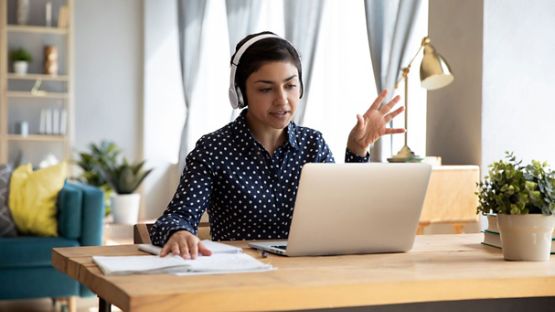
406, 69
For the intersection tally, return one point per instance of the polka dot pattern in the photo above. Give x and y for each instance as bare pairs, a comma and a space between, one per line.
249, 194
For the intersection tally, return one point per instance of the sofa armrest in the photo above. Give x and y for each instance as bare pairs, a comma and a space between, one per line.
70, 202
81, 210
92, 215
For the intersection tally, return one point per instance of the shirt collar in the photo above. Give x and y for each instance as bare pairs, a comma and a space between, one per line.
241, 122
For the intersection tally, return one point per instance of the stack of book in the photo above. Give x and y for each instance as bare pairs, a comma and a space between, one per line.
493, 239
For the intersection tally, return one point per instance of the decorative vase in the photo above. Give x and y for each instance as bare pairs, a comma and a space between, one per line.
22, 11
50, 60
125, 208
526, 237
20, 67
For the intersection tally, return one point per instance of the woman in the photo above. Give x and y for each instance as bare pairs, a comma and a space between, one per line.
247, 173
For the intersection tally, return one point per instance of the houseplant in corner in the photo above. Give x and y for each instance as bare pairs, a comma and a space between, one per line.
125, 179
20, 59
523, 197
98, 156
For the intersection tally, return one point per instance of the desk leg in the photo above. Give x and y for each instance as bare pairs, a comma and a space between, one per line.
103, 305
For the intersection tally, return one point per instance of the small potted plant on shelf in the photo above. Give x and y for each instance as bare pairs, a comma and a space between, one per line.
125, 179
523, 197
20, 59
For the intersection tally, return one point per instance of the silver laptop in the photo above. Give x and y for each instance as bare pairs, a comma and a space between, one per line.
354, 209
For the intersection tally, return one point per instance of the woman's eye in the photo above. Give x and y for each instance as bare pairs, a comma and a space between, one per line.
291, 86
265, 90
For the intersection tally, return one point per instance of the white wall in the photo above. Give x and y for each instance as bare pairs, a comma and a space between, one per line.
108, 73
501, 53
454, 112
519, 73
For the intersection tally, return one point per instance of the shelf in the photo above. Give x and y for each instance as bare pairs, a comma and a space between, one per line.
37, 137
36, 29
42, 77
52, 95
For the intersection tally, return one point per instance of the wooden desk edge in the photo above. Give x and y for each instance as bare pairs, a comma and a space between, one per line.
83, 274
295, 297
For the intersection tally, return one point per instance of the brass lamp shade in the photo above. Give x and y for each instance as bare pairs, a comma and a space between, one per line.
434, 71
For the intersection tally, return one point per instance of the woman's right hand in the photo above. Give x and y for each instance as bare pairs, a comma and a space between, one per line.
185, 244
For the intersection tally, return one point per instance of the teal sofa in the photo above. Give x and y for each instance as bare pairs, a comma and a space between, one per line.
26, 270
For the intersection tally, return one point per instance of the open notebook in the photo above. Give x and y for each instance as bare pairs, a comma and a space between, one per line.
224, 259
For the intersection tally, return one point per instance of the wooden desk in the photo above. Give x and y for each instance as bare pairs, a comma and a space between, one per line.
450, 197
439, 268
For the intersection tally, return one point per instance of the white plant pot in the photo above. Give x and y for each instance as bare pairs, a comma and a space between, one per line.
526, 237
125, 208
20, 67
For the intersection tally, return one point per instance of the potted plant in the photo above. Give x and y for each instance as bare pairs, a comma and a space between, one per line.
20, 59
523, 197
125, 179
92, 162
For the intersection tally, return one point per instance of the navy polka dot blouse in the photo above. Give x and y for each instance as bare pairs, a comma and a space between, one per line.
249, 193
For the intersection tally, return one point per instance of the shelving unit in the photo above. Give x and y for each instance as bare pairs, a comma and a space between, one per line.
17, 101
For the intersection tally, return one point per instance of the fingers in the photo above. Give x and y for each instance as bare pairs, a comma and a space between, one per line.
203, 250
165, 250
378, 101
387, 107
394, 130
175, 248
184, 247
360, 123
393, 114
192, 241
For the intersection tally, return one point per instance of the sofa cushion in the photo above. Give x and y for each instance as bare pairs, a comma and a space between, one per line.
33, 198
70, 200
7, 225
30, 251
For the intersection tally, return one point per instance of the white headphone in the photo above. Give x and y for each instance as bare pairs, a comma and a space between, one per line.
235, 95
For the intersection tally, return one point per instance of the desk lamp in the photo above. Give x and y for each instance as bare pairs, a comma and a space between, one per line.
434, 74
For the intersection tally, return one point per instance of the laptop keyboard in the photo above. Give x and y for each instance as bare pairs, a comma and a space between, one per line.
284, 247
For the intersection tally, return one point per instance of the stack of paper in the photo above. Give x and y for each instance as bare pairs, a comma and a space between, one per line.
224, 259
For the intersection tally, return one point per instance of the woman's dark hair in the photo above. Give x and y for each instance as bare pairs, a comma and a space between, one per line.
261, 52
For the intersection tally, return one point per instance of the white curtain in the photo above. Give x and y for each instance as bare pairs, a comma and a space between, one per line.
242, 17
190, 22
389, 24
302, 27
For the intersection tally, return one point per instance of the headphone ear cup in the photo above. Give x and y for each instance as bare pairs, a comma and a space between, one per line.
233, 100
240, 99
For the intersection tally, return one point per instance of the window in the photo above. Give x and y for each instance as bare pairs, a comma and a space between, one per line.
342, 79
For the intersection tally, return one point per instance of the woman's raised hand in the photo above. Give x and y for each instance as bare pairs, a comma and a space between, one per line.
372, 125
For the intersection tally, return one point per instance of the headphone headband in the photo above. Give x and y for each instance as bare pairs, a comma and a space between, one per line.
235, 96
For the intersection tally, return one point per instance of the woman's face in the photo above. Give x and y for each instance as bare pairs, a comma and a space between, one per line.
273, 92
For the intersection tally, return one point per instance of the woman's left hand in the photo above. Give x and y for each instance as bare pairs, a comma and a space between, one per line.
372, 125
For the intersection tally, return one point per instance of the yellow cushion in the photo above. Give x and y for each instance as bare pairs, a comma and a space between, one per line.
33, 198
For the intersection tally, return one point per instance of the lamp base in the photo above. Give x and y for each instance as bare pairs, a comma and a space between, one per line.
405, 155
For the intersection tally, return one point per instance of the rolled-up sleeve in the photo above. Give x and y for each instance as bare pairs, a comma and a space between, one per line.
190, 201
